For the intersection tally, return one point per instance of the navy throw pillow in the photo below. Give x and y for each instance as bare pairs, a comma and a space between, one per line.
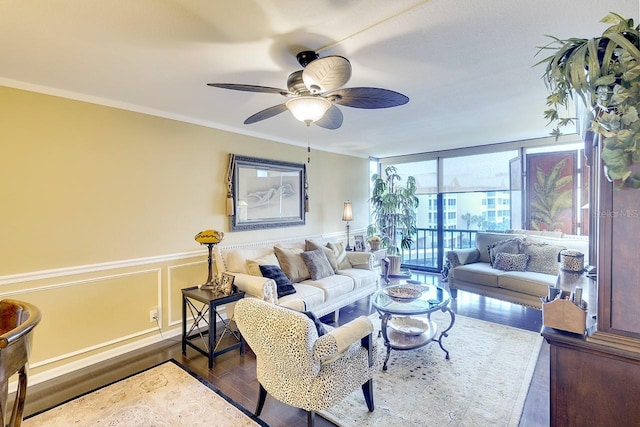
283, 284
319, 325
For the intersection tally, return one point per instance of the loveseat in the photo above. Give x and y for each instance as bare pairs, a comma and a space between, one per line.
312, 274
517, 266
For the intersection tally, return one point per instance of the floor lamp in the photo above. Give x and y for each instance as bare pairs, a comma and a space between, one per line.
347, 215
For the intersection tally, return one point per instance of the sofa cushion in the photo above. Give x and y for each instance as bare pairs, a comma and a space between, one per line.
484, 240
235, 262
361, 278
253, 265
292, 263
509, 246
307, 297
510, 262
283, 284
543, 258
311, 245
468, 256
317, 264
478, 272
527, 282
333, 286
341, 255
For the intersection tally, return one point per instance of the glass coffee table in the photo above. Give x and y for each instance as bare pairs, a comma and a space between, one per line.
405, 310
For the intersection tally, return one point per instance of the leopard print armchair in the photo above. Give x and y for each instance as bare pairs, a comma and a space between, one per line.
299, 368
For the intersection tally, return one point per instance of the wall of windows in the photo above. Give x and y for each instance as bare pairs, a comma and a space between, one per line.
465, 191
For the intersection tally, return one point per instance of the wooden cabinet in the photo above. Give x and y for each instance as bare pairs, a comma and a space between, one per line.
619, 260
595, 379
592, 384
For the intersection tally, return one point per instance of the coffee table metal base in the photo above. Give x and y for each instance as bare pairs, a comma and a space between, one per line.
394, 340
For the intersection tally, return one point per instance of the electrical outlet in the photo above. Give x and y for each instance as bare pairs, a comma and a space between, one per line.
153, 314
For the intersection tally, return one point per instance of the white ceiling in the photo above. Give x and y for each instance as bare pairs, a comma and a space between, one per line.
466, 65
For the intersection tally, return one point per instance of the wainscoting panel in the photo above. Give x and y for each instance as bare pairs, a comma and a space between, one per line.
178, 277
80, 317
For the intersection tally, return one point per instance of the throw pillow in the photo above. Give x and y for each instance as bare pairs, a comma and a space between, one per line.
292, 263
310, 245
317, 264
318, 324
253, 265
341, 255
543, 258
510, 246
511, 262
485, 239
283, 284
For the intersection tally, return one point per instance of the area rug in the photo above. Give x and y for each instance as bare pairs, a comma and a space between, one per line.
484, 383
166, 395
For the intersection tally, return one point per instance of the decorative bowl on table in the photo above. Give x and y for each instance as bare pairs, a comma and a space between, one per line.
404, 293
408, 325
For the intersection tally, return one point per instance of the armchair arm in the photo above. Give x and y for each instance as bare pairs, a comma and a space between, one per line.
331, 345
463, 256
362, 260
257, 286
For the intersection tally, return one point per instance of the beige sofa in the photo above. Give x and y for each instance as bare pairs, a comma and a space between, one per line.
518, 266
352, 275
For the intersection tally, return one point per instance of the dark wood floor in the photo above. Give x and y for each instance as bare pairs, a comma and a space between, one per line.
235, 375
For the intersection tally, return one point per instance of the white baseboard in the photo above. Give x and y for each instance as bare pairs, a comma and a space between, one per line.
95, 359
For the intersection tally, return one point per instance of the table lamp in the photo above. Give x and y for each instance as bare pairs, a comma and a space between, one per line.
209, 238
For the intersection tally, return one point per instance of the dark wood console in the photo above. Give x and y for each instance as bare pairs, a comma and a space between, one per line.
595, 379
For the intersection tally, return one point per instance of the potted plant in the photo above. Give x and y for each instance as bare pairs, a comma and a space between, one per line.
374, 242
394, 213
604, 72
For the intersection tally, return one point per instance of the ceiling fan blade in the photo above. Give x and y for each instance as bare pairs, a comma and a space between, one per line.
328, 73
367, 97
251, 88
266, 113
332, 119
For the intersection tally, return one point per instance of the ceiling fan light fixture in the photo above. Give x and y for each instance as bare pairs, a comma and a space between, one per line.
308, 108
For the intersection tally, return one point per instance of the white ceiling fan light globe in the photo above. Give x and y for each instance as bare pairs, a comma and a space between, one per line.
308, 108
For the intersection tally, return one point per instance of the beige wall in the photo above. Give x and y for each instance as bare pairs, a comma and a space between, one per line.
99, 207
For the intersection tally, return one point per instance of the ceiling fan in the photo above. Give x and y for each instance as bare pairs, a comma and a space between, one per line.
315, 90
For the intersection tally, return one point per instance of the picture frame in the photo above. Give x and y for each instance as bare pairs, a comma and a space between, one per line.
226, 283
359, 245
267, 193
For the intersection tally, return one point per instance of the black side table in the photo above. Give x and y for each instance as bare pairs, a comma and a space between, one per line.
207, 313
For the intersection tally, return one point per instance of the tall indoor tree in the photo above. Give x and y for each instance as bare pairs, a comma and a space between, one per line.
394, 210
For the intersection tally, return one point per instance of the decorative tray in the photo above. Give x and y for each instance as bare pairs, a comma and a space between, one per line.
408, 325
404, 293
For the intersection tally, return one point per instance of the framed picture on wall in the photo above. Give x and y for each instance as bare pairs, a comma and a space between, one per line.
359, 245
267, 193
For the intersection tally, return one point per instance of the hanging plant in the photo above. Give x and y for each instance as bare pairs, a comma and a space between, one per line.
605, 73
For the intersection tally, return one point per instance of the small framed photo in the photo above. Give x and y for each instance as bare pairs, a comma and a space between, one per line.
359, 245
226, 283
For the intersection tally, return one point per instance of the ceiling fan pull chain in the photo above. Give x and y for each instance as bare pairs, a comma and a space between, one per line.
308, 147
306, 190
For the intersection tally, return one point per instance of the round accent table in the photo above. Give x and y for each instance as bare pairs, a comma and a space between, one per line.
405, 310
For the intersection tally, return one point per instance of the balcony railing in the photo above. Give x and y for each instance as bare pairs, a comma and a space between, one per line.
424, 251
